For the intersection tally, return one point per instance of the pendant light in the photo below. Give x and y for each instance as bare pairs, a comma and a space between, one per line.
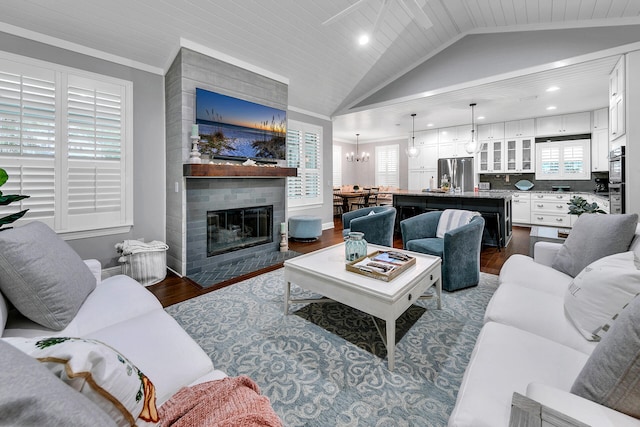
357, 157
473, 146
413, 151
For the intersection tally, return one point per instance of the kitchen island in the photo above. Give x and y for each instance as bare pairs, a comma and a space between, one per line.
495, 207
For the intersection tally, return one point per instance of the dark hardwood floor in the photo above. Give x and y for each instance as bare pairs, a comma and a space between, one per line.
176, 289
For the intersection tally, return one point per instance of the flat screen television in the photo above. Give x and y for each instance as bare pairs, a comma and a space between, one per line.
235, 129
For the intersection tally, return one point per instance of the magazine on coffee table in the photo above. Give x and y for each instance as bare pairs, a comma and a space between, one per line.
382, 265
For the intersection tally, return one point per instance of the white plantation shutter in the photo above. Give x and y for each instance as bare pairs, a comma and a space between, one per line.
63, 141
94, 142
563, 159
387, 165
573, 159
295, 189
337, 166
304, 151
548, 159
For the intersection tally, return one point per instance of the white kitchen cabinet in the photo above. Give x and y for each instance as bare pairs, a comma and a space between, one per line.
568, 124
419, 178
519, 128
490, 131
427, 144
600, 150
490, 159
454, 134
617, 101
520, 155
521, 207
601, 119
453, 149
550, 209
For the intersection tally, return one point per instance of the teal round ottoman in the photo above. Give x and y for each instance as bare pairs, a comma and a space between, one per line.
305, 227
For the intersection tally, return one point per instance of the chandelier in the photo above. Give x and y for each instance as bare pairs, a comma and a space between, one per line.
413, 151
473, 146
357, 157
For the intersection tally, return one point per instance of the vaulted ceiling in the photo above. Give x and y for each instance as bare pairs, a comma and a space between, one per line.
328, 72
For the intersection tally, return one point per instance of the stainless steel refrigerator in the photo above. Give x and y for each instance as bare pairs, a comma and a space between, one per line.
459, 171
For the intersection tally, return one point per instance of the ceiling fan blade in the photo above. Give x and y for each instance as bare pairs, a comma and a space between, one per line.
413, 8
345, 12
381, 13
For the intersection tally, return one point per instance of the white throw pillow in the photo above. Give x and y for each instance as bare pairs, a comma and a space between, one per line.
98, 372
600, 291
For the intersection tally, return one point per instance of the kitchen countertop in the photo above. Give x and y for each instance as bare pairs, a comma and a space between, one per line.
467, 194
582, 193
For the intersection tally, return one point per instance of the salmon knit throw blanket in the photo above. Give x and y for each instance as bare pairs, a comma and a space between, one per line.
232, 401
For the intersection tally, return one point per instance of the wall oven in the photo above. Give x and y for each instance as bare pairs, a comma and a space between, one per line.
616, 180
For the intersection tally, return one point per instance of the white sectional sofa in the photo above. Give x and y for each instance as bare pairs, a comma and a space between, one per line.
529, 346
119, 312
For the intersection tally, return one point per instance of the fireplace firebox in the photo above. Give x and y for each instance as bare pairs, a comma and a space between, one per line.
234, 229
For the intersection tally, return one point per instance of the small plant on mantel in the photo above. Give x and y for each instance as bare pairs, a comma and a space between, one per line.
7, 199
578, 206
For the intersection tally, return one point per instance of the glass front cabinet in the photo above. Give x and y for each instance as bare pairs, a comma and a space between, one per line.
520, 155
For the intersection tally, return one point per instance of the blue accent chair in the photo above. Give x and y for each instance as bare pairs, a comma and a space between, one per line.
377, 228
459, 249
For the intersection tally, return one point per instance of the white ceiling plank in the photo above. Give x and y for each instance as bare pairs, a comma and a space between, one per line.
498, 13
558, 10
572, 10
510, 14
587, 8
602, 8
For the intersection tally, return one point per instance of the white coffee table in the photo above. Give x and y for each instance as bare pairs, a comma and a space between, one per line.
324, 272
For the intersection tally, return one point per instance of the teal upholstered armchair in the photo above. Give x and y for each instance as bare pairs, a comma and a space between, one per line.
459, 249
377, 227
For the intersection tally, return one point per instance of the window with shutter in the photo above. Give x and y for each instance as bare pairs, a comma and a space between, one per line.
64, 142
304, 151
387, 166
563, 159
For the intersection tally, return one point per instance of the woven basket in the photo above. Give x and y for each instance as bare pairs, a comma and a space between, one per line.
147, 268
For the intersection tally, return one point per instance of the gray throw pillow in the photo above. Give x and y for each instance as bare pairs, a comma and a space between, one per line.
31, 395
612, 373
42, 276
593, 237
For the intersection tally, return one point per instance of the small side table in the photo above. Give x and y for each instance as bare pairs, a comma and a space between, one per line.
546, 234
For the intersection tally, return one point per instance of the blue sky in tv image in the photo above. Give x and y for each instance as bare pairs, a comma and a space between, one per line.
238, 128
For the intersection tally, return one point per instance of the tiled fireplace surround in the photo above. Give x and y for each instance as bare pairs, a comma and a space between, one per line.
210, 194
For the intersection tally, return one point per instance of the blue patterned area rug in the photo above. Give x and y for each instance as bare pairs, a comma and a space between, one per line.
325, 364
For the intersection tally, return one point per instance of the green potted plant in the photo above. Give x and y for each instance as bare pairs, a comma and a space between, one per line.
7, 199
578, 206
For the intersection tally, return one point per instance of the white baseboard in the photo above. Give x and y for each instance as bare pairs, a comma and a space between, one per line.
327, 225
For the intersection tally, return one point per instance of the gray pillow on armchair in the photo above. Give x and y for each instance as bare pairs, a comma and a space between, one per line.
595, 236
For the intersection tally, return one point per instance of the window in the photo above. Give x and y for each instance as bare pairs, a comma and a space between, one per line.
387, 170
64, 141
337, 166
563, 159
304, 151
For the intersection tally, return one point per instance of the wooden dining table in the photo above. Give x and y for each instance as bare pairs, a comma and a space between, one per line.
347, 196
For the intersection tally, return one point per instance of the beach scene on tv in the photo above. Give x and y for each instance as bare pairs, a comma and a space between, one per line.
234, 128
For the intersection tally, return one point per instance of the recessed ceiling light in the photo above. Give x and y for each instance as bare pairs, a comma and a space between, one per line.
363, 39
480, 117
551, 107
553, 89
430, 125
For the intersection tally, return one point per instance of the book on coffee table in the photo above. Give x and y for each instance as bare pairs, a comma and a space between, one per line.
382, 265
